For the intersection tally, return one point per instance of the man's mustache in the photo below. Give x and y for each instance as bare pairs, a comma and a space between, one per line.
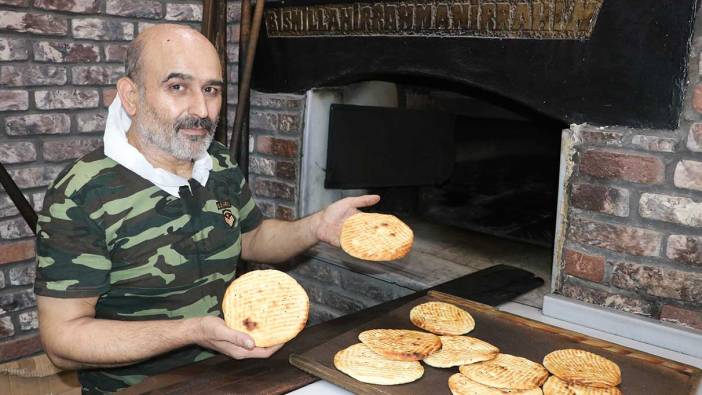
195, 123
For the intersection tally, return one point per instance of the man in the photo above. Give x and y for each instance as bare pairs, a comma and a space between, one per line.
137, 244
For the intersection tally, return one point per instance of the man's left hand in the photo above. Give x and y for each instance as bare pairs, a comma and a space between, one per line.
333, 217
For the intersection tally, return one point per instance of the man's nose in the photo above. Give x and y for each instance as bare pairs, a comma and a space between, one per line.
198, 105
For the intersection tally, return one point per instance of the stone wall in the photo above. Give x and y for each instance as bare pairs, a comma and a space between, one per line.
634, 233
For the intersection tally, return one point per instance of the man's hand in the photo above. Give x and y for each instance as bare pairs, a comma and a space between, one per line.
216, 335
333, 217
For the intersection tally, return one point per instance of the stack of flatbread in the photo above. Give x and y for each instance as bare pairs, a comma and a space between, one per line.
580, 372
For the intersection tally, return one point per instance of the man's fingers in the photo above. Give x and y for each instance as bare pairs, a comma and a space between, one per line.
266, 352
237, 338
365, 200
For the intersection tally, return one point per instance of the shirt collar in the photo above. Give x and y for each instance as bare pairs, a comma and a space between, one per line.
118, 149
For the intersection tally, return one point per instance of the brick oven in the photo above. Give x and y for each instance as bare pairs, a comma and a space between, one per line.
604, 148
576, 145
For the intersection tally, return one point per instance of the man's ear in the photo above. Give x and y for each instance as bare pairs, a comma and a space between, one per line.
128, 93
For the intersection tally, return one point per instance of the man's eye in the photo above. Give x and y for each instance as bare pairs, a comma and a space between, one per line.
211, 90
176, 87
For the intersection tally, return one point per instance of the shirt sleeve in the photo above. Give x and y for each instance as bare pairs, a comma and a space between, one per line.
250, 216
72, 256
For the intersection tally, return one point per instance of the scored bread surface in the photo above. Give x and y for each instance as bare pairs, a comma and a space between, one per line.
269, 305
461, 350
556, 386
583, 367
361, 363
442, 318
401, 344
376, 237
507, 371
462, 385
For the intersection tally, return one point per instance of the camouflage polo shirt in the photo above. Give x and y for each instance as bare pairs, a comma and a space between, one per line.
104, 231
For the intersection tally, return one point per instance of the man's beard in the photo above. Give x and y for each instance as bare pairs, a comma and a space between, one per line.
164, 134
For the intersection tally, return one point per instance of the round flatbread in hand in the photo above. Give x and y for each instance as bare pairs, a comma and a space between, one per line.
461, 350
400, 344
442, 318
269, 305
507, 371
556, 386
462, 385
361, 363
583, 367
376, 237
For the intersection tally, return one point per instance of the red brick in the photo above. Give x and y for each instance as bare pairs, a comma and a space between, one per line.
15, 228
134, 8
685, 248
276, 146
37, 124
184, 12
612, 300
30, 177
20, 347
593, 135
83, 6
266, 208
589, 267
233, 11
273, 189
96, 75
17, 251
263, 120
59, 150
679, 315
59, 52
675, 209
655, 143
603, 199
29, 22
232, 53
643, 169
289, 123
91, 121
66, 99
663, 282
286, 170
688, 174
32, 75
14, 100
7, 328
620, 238
108, 94
276, 101
697, 98
233, 32
115, 52
262, 166
13, 49
101, 29
17, 152
285, 213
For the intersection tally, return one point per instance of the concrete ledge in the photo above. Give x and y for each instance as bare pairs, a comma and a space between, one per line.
643, 329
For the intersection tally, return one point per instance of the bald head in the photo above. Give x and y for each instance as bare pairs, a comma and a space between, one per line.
159, 38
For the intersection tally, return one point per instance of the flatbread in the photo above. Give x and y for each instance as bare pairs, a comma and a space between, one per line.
269, 305
507, 371
583, 367
401, 344
361, 363
461, 350
376, 237
442, 318
556, 386
462, 385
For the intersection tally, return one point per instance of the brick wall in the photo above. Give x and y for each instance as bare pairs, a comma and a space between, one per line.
634, 233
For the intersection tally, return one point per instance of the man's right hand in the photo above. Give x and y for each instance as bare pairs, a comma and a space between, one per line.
213, 333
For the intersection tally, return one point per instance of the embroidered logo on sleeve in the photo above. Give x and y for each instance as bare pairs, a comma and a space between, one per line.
229, 218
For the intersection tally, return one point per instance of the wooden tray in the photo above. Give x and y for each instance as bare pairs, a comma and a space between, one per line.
641, 373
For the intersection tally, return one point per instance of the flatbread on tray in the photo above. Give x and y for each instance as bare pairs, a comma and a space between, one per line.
401, 344
507, 371
361, 363
461, 350
583, 367
462, 385
556, 386
442, 318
